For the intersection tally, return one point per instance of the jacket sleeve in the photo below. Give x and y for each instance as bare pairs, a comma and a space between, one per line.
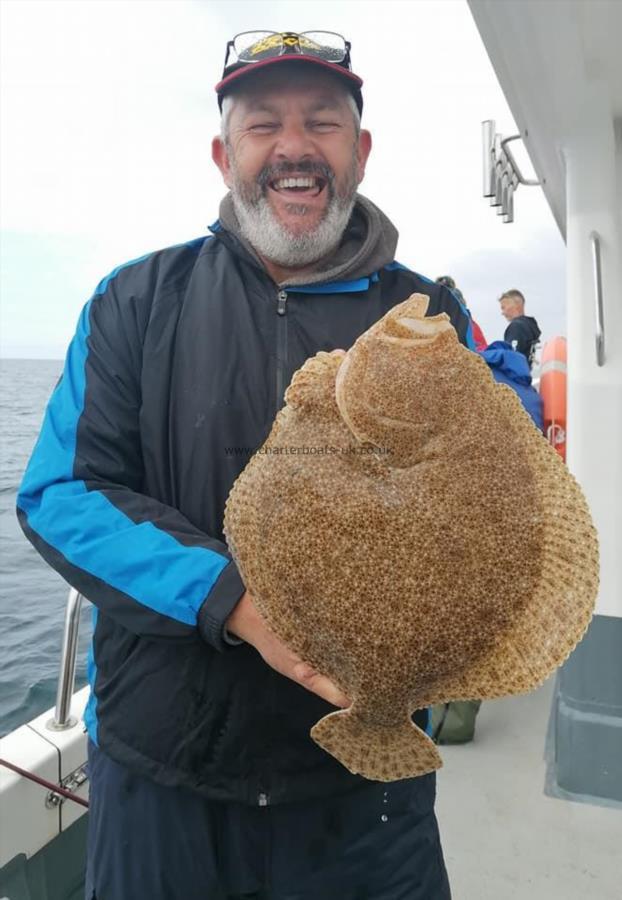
139, 561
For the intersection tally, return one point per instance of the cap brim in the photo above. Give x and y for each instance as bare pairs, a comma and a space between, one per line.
352, 80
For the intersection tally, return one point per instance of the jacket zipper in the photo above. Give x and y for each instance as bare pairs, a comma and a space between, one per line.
281, 346
263, 798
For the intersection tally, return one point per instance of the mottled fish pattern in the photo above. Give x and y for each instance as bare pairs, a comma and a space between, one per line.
409, 533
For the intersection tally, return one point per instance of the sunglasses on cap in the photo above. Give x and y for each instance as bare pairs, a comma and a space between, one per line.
253, 51
255, 46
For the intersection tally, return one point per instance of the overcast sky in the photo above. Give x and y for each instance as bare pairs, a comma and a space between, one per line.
108, 111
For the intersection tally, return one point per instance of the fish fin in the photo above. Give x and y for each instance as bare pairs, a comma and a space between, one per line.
379, 753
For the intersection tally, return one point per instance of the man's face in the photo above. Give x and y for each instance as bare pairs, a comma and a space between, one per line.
293, 160
510, 308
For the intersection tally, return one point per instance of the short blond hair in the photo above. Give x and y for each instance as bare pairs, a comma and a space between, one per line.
513, 294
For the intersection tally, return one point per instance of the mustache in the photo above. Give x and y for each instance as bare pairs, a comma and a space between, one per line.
304, 167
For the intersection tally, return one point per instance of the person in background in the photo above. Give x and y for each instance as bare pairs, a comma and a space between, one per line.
204, 781
478, 334
523, 332
454, 723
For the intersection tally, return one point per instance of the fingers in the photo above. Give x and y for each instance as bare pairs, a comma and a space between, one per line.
287, 663
320, 685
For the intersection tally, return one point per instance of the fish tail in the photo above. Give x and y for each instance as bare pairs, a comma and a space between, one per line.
380, 753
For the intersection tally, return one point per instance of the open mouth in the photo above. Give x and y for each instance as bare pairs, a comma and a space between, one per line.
299, 185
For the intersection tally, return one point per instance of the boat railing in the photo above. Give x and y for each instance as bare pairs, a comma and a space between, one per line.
62, 718
598, 297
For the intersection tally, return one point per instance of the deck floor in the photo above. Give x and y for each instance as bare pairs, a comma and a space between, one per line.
503, 838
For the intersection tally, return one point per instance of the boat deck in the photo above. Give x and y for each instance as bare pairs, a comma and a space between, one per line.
503, 838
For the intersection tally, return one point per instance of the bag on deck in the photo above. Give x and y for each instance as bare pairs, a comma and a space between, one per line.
454, 723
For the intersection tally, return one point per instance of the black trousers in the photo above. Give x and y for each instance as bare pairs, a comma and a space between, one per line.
147, 842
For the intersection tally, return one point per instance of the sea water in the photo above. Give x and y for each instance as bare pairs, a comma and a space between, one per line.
32, 596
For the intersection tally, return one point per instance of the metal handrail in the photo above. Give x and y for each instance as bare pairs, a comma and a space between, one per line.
531, 182
598, 293
488, 137
500, 172
66, 678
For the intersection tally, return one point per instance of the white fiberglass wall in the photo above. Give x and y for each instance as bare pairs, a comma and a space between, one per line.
594, 203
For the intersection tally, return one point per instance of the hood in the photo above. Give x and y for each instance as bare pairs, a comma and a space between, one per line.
499, 355
367, 244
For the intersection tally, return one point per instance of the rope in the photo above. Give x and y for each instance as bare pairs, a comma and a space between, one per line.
55, 788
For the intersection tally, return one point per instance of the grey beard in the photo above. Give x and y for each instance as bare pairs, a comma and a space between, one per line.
272, 240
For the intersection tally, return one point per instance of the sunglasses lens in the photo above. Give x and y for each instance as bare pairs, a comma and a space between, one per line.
252, 46
324, 44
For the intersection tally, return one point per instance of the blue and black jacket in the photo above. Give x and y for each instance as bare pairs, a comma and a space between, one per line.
173, 379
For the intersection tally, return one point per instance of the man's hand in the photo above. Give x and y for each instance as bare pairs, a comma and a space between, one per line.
246, 623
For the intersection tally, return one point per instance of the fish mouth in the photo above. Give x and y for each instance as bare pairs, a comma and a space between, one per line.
429, 327
342, 402
409, 328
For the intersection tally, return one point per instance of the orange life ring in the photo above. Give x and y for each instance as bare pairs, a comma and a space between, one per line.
553, 392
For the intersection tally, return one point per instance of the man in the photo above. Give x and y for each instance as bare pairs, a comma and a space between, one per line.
204, 780
478, 334
523, 333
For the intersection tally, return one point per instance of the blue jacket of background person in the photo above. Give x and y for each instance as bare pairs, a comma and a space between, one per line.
511, 368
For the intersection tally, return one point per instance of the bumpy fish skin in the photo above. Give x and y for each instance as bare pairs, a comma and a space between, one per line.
408, 532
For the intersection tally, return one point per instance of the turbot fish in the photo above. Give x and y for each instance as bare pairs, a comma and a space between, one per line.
408, 532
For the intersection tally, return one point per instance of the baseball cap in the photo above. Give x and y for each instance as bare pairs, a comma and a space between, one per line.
256, 50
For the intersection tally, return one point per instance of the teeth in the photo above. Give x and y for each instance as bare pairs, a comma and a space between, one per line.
307, 182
